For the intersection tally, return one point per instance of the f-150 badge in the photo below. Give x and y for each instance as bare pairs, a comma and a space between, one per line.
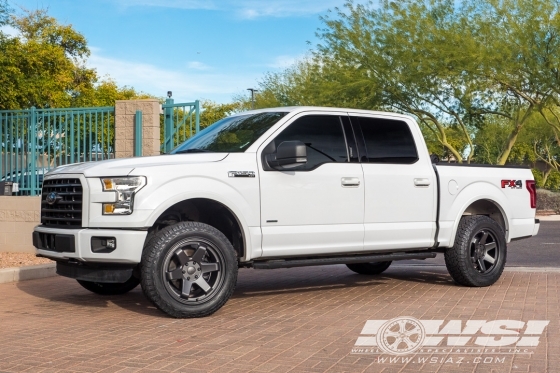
513, 184
241, 174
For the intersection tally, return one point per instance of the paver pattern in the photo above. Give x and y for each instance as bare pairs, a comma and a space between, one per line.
297, 320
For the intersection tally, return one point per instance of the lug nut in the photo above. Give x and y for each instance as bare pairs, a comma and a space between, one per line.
195, 276
188, 278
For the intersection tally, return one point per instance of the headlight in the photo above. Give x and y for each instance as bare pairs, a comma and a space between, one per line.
125, 189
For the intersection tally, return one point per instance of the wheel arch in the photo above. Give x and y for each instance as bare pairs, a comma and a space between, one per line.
204, 210
484, 206
479, 199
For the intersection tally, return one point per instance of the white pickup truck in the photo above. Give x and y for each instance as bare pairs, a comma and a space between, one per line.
277, 188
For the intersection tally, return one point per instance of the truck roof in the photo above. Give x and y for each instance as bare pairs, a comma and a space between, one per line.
298, 109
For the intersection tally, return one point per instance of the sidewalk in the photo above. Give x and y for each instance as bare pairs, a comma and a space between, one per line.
298, 320
548, 217
15, 274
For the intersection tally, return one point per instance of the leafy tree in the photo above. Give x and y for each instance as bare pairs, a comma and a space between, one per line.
518, 45
4, 13
44, 66
212, 112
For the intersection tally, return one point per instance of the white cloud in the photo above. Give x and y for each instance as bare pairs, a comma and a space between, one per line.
196, 65
245, 9
283, 62
179, 4
187, 85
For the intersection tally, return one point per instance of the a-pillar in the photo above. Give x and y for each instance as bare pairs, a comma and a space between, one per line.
125, 112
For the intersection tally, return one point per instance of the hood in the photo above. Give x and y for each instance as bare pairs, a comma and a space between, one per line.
124, 166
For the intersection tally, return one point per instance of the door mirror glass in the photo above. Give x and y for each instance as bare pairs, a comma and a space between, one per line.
289, 154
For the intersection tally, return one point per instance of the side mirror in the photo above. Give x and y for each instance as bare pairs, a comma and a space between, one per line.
289, 154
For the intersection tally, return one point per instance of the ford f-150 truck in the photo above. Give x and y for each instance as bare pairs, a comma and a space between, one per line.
278, 188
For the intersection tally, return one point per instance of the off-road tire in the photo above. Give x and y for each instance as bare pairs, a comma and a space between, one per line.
110, 288
375, 268
170, 258
463, 259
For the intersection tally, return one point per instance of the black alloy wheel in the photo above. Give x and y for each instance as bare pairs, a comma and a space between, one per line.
192, 270
479, 254
189, 269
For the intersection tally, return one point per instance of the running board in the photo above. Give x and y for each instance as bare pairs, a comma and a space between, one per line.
272, 264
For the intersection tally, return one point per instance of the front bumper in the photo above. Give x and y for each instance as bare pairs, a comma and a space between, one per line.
76, 244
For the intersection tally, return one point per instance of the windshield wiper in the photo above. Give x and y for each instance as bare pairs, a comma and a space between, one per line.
195, 150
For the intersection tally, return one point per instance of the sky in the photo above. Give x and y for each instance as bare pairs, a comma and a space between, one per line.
198, 49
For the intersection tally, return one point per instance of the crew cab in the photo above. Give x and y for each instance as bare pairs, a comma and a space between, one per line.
277, 188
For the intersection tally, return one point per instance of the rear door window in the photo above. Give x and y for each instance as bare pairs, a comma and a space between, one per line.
387, 140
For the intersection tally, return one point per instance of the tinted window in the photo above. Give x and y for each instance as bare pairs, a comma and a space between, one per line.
387, 141
323, 136
232, 134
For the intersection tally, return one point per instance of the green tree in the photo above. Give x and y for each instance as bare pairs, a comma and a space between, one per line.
212, 112
44, 66
4, 13
518, 45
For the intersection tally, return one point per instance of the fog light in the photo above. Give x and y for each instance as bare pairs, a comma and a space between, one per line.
103, 244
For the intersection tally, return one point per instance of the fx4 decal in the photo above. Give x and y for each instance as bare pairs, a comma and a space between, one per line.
513, 184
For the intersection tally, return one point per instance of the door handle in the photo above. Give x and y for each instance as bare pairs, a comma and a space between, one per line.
422, 182
350, 182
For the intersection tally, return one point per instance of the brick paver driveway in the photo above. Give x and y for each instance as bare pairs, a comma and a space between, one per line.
300, 320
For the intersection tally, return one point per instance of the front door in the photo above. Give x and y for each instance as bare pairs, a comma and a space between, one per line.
316, 208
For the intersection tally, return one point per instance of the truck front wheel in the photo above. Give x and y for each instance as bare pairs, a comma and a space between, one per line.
478, 256
189, 270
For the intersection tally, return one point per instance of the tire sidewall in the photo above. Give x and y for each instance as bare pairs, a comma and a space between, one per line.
158, 248
463, 244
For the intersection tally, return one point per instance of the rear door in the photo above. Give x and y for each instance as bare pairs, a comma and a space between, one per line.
400, 186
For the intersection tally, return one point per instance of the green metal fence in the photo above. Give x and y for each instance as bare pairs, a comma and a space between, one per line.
178, 122
34, 141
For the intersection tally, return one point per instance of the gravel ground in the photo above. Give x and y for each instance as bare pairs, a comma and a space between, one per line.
8, 260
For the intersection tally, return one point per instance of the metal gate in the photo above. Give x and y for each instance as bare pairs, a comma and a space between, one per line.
178, 122
34, 141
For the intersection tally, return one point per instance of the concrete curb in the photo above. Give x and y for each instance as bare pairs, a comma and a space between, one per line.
16, 274
548, 217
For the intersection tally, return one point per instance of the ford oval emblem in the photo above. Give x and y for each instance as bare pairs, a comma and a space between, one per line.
52, 198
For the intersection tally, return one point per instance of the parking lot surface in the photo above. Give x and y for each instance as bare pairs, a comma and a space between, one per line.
298, 320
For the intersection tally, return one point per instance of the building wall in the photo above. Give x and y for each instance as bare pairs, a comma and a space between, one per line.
18, 217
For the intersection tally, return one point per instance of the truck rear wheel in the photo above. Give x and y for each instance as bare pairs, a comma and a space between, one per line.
369, 268
189, 270
103, 288
479, 255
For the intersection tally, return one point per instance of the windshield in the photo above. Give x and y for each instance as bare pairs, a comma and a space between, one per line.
230, 135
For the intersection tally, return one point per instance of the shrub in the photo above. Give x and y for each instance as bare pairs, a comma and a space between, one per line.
547, 200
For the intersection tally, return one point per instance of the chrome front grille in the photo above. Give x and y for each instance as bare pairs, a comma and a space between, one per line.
61, 203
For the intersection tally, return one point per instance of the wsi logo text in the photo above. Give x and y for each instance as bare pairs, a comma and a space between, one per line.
405, 335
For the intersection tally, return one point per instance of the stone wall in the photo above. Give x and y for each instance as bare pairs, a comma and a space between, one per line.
125, 114
18, 217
